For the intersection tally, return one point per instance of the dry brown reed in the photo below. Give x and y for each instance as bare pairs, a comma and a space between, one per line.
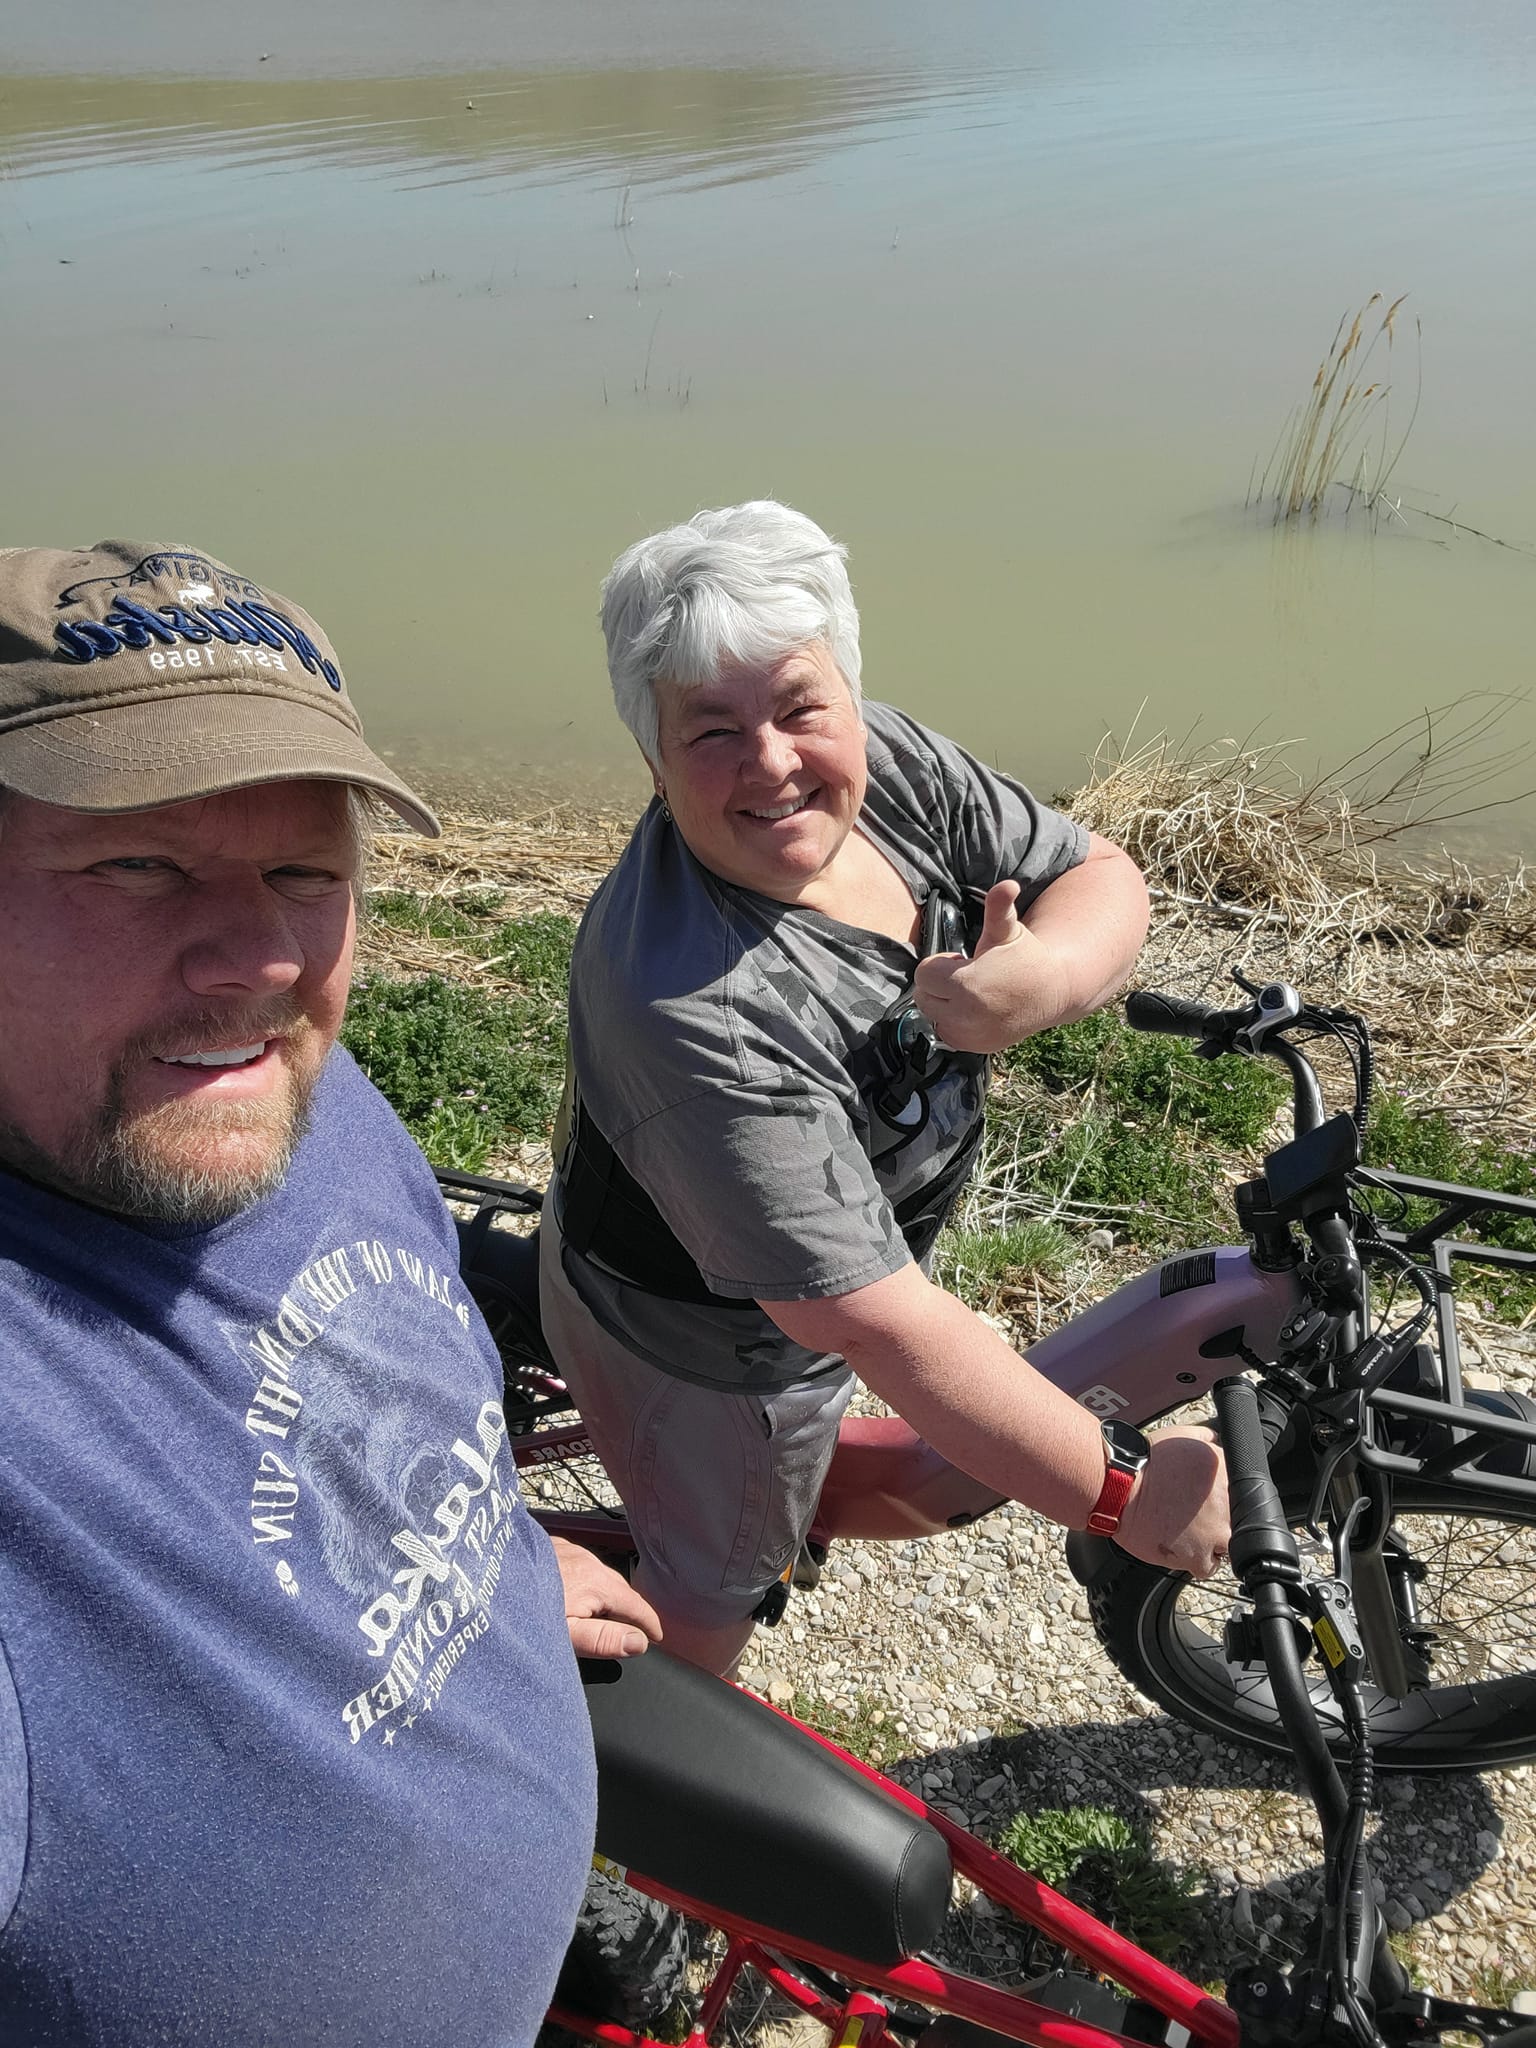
1255, 866
1330, 432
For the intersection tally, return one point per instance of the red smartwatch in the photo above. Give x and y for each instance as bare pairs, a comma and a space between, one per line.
1126, 1452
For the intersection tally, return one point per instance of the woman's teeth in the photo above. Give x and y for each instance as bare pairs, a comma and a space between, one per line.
783, 810
235, 1056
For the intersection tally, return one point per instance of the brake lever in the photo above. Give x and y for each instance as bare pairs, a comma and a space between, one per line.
1343, 1562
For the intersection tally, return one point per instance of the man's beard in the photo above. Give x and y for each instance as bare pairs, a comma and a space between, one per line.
172, 1164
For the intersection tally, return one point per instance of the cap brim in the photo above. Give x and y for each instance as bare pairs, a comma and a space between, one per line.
138, 757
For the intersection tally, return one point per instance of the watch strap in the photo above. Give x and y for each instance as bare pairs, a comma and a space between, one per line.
1104, 1517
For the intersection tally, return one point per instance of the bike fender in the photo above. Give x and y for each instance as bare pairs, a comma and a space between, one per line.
1088, 1555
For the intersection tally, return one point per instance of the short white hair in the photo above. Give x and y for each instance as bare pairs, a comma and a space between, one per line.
747, 584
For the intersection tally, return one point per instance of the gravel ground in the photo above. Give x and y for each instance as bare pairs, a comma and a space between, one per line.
971, 1656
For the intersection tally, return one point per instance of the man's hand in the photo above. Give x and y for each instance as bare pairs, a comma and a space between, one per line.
1177, 1516
1011, 987
606, 1616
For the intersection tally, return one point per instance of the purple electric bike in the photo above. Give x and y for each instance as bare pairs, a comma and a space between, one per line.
1413, 1494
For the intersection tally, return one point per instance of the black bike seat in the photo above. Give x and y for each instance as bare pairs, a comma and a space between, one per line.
709, 1792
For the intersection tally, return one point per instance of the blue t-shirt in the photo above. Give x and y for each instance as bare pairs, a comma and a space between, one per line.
292, 1745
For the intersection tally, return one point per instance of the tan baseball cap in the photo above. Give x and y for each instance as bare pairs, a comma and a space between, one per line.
133, 675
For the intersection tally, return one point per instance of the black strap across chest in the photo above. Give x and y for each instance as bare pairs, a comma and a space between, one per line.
608, 1216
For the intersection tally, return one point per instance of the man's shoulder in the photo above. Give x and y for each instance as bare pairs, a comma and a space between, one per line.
355, 1133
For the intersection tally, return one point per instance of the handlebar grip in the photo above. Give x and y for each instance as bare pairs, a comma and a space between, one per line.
1259, 1527
1176, 1016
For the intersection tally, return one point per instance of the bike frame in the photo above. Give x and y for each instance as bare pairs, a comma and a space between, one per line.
1164, 1338
1136, 1354
857, 2012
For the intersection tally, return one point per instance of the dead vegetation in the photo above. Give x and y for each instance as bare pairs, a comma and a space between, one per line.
1338, 435
1316, 881
551, 858
1331, 882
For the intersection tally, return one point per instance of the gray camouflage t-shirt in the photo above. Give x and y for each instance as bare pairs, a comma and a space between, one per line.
722, 1043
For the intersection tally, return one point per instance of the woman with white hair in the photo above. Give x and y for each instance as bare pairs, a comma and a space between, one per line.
779, 1051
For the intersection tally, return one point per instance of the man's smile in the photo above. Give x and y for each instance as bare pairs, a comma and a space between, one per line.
234, 1056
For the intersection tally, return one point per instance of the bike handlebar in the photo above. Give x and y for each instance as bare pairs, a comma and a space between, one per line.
1266, 1560
1260, 1529
1174, 1016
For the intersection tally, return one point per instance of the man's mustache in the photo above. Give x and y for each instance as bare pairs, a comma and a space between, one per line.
216, 1025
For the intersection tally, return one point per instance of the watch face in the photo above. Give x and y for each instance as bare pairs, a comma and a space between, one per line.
1126, 1446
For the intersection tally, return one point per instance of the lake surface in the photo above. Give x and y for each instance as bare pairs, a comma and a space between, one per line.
421, 313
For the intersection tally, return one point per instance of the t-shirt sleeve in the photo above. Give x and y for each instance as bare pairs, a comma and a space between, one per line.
995, 829
767, 1187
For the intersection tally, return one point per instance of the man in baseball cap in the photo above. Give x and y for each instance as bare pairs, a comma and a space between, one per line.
291, 1740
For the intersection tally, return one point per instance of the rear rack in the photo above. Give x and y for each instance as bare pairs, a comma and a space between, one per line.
1472, 1432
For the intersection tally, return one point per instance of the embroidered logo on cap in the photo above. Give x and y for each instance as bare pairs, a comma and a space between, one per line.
246, 617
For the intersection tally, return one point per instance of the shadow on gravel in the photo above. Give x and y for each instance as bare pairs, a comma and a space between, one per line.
1236, 1818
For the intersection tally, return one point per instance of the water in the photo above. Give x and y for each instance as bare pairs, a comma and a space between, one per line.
1008, 296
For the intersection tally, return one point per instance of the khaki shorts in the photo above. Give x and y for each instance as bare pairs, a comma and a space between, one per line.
720, 1488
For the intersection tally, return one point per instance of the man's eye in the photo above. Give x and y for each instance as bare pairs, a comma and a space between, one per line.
301, 881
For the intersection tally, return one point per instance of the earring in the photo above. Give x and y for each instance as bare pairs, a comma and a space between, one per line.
666, 808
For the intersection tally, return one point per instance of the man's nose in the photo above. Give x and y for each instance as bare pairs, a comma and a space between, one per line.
244, 943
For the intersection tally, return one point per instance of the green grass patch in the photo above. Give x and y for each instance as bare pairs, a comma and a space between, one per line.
1230, 1102
535, 953
975, 1263
462, 916
1117, 1122
1113, 1163
1427, 1142
865, 1731
1497, 1985
466, 1069
1103, 1863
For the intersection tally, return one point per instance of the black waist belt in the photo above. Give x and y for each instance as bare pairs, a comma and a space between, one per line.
606, 1215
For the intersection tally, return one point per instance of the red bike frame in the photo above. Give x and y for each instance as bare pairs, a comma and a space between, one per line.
859, 2015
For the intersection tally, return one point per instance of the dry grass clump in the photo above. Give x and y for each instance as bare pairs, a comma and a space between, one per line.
551, 859
1287, 876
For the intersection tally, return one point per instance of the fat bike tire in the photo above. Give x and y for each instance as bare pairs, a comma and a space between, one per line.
628, 1959
1163, 1632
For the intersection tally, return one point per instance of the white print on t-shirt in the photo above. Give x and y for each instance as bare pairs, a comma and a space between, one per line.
414, 1530
465, 1538
319, 1291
